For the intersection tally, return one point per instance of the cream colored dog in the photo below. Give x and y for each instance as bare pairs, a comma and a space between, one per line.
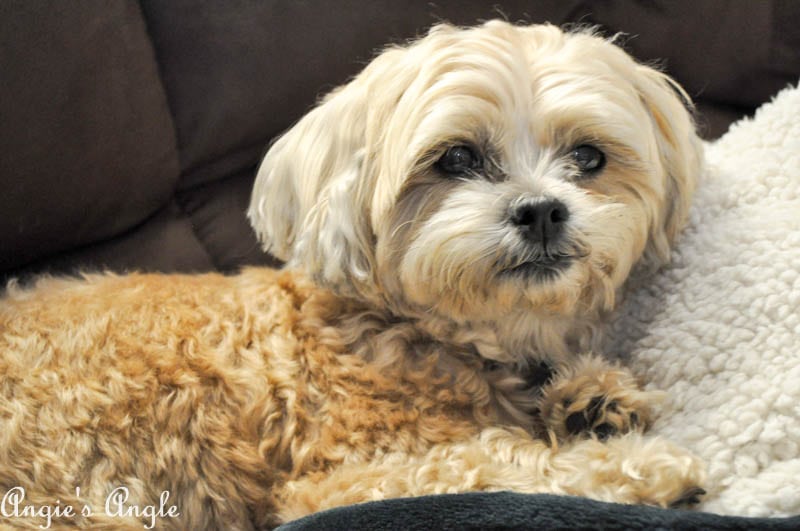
456, 220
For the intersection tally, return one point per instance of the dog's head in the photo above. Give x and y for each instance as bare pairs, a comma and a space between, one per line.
482, 172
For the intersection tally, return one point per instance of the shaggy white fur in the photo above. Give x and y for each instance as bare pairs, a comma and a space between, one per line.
719, 329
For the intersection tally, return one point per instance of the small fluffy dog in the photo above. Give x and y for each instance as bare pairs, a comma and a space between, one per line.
456, 220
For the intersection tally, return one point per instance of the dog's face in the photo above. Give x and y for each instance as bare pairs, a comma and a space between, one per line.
485, 173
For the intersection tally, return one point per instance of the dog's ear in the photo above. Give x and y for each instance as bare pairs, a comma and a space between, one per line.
307, 202
680, 153
313, 192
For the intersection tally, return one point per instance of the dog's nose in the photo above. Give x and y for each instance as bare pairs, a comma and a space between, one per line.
543, 221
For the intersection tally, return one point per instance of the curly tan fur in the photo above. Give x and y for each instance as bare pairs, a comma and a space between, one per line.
240, 397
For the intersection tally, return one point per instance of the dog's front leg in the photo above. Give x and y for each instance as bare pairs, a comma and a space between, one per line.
627, 469
592, 396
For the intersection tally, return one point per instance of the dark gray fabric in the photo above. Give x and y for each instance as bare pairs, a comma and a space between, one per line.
165, 242
507, 510
215, 211
722, 52
87, 145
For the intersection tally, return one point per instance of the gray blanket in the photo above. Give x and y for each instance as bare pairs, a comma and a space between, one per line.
508, 510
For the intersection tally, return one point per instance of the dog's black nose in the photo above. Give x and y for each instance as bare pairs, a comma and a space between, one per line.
543, 221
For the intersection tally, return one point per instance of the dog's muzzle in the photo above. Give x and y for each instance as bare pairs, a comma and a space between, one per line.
542, 225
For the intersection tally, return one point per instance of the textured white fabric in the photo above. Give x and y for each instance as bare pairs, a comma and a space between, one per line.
719, 329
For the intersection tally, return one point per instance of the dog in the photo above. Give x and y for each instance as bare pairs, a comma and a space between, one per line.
457, 221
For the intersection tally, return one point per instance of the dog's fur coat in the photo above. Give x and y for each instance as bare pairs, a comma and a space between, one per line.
389, 359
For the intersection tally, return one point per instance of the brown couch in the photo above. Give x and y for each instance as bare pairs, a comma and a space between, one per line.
130, 130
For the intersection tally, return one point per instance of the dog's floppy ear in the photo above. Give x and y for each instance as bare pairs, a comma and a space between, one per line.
680, 153
306, 205
312, 195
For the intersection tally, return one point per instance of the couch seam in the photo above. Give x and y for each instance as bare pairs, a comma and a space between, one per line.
170, 110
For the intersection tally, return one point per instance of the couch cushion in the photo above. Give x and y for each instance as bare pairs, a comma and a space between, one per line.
734, 53
87, 145
217, 214
165, 242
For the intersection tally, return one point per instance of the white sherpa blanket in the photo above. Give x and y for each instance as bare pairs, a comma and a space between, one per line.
719, 329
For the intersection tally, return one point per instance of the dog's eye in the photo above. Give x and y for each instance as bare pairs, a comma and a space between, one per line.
458, 159
588, 158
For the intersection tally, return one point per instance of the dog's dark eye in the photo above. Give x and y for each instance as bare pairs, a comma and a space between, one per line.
589, 159
458, 159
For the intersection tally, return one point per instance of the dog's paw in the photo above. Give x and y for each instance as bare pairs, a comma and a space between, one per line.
654, 471
603, 416
635, 469
595, 399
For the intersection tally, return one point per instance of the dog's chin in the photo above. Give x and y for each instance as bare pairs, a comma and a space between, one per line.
537, 265
542, 270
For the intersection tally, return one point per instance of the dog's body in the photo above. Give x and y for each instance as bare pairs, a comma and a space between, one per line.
440, 244
239, 397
